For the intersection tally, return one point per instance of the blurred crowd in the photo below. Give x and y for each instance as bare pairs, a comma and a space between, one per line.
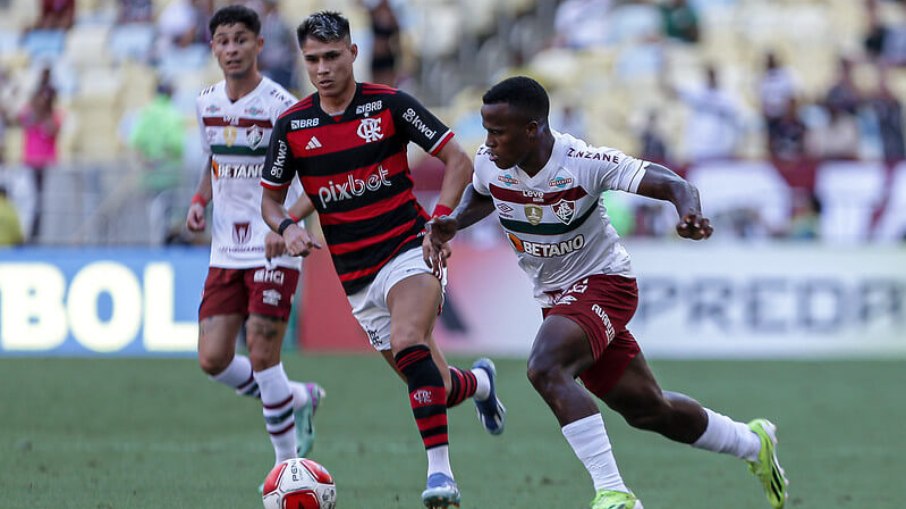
844, 121
690, 114
768, 115
168, 43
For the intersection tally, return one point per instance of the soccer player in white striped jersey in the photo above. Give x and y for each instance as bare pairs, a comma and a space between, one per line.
545, 186
251, 279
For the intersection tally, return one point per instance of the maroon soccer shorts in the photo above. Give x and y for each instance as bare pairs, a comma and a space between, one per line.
602, 305
260, 291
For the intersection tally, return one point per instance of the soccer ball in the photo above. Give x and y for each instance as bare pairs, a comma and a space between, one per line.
299, 483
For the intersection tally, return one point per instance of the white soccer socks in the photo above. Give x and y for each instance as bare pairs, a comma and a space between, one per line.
727, 436
589, 440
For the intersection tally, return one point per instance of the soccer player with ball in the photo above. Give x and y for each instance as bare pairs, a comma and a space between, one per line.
347, 144
251, 279
545, 187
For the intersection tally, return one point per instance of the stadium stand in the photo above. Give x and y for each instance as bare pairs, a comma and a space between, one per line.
454, 50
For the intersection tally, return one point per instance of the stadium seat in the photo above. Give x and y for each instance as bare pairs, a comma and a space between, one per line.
849, 193
556, 67
896, 80
94, 138
806, 24
44, 44
295, 10
183, 60
138, 88
480, 18
848, 20
19, 14
9, 41
104, 83
13, 143
815, 68
86, 45
633, 22
439, 28
640, 61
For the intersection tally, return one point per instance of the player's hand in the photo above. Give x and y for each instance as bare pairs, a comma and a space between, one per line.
443, 228
195, 221
298, 241
435, 245
694, 226
274, 245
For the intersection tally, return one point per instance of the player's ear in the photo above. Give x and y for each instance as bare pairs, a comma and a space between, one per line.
260, 42
532, 129
354, 48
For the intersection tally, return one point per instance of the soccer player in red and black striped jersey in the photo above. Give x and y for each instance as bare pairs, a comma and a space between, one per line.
347, 145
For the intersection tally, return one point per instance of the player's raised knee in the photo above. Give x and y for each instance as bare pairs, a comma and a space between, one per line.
212, 363
405, 337
650, 413
542, 373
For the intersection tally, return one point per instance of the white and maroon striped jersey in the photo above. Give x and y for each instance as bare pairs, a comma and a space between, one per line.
554, 220
235, 135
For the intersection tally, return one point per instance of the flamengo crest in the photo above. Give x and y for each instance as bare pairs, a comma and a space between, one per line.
422, 396
370, 129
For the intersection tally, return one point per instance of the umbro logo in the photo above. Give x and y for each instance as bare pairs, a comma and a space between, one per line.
313, 143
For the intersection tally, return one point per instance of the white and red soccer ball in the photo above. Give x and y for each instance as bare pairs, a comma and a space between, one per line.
299, 483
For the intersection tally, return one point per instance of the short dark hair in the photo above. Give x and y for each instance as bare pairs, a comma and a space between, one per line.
233, 14
325, 26
524, 94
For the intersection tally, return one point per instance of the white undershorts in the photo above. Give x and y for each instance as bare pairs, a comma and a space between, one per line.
369, 305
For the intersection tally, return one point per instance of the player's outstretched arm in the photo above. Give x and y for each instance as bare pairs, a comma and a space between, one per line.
473, 208
663, 184
195, 220
440, 230
457, 173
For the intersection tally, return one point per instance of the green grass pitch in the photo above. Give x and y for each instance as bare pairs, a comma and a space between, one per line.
135, 433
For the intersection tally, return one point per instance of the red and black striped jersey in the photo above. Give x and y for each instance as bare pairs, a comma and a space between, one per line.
354, 168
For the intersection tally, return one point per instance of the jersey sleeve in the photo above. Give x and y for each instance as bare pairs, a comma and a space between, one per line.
610, 169
419, 124
480, 176
626, 172
205, 142
282, 100
278, 170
